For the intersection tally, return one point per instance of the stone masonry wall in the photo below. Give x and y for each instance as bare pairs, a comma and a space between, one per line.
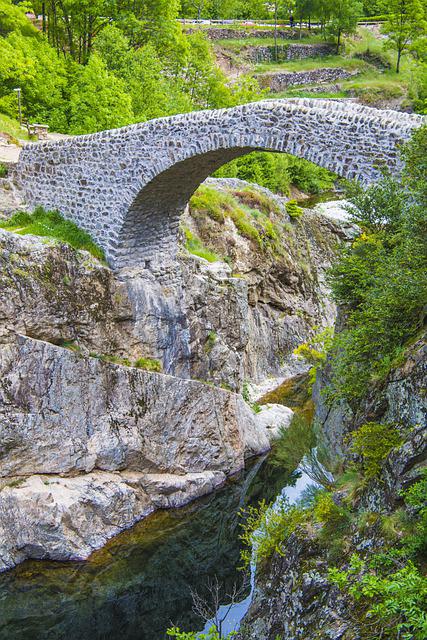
238, 34
288, 52
128, 187
279, 81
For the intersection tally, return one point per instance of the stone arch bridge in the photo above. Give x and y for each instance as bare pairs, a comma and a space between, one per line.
128, 187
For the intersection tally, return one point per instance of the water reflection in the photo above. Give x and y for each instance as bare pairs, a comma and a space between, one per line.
140, 583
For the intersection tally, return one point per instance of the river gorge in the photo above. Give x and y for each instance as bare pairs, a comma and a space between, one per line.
143, 386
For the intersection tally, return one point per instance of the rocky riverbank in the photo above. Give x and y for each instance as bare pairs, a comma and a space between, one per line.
295, 597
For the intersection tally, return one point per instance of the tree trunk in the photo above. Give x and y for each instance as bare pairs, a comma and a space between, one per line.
68, 29
399, 55
338, 41
275, 31
44, 17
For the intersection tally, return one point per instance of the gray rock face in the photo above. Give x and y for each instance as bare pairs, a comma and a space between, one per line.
129, 441
52, 292
205, 323
62, 413
128, 187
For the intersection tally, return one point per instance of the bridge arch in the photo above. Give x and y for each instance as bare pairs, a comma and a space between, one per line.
129, 186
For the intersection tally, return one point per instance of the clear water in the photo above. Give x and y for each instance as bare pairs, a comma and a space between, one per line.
140, 583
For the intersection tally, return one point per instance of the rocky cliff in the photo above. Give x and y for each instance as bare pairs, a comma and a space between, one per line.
89, 441
295, 596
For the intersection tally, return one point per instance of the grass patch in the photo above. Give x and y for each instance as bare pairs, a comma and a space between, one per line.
239, 44
257, 200
149, 364
12, 128
194, 245
308, 64
51, 224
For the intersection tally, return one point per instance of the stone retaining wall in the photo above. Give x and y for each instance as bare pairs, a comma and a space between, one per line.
288, 52
277, 82
239, 34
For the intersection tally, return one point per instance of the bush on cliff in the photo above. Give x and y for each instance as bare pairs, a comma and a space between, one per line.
380, 281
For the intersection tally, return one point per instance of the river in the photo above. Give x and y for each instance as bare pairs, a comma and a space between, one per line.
140, 583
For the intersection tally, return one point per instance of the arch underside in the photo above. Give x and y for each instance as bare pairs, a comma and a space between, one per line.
149, 234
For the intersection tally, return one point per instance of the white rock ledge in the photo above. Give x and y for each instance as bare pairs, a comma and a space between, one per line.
50, 517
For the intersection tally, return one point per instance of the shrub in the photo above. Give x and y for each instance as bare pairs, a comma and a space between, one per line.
149, 364
389, 604
266, 527
210, 341
415, 500
3, 170
293, 210
51, 224
335, 518
372, 442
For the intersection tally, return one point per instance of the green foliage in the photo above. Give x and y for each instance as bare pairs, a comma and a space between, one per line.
108, 66
344, 17
266, 528
293, 210
277, 171
98, 99
405, 23
389, 604
51, 224
30, 63
415, 500
3, 170
149, 364
373, 442
315, 351
213, 634
381, 279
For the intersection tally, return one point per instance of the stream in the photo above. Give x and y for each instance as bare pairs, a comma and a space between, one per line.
140, 583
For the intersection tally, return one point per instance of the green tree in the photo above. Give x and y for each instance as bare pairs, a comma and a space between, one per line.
381, 280
98, 99
405, 24
13, 18
114, 48
30, 63
343, 18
